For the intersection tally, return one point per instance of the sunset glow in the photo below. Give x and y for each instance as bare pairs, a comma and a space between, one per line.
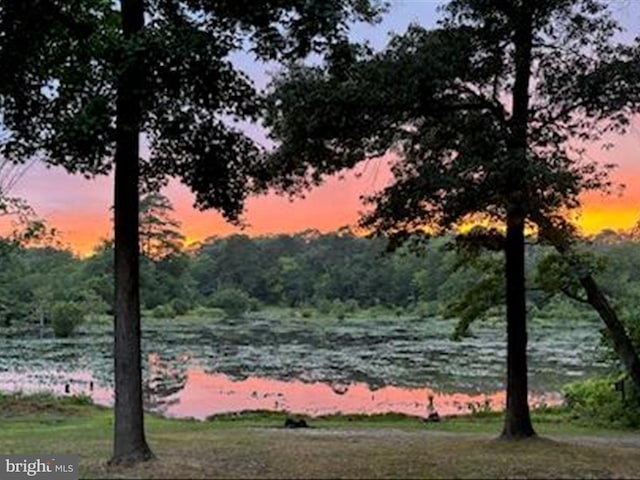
79, 208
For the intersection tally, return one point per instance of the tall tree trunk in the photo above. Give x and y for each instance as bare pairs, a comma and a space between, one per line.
517, 422
129, 445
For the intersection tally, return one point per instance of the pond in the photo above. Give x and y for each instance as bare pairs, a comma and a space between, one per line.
196, 367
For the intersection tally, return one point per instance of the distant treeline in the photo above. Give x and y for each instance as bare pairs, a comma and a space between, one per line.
325, 271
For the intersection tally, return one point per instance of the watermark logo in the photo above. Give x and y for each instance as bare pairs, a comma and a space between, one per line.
45, 467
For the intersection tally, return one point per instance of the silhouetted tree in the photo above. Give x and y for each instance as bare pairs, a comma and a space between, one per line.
481, 113
160, 234
81, 80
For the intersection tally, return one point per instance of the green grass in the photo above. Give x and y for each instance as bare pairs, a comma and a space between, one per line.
254, 444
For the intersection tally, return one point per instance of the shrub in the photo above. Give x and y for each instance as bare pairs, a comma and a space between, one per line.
600, 401
424, 309
339, 310
180, 306
65, 317
163, 311
323, 306
234, 302
351, 305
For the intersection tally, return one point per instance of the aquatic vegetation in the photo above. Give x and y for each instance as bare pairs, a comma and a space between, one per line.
377, 352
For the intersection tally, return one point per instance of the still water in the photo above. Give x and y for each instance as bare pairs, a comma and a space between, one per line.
200, 368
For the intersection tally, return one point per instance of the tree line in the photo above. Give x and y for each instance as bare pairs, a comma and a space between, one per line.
332, 273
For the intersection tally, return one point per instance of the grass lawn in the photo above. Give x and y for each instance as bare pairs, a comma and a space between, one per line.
256, 445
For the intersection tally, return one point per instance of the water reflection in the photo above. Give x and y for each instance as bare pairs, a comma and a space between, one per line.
179, 390
164, 381
209, 393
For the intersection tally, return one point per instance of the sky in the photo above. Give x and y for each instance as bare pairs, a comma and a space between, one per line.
79, 208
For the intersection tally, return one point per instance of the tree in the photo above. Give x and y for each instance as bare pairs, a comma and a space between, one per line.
574, 271
481, 113
160, 234
27, 227
82, 79
65, 317
233, 301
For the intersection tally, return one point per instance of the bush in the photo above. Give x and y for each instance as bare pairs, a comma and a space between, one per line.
351, 305
424, 309
180, 306
339, 310
163, 311
600, 401
234, 302
65, 317
323, 306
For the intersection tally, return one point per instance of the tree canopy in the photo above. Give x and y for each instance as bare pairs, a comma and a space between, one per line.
440, 100
484, 115
59, 96
87, 78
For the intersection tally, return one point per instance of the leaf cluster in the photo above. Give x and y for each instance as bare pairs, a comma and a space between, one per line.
63, 61
439, 103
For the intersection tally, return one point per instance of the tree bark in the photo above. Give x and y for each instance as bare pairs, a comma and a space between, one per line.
517, 422
129, 444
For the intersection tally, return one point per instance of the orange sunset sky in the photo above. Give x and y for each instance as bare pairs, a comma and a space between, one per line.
79, 208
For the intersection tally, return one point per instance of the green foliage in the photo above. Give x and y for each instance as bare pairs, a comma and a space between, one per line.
476, 300
442, 98
180, 306
555, 274
67, 65
81, 399
351, 305
65, 317
339, 309
439, 280
561, 309
425, 310
233, 301
323, 305
600, 401
163, 312
306, 268
206, 312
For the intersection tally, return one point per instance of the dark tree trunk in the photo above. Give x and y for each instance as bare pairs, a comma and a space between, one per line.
517, 423
621, 341
596, 298
129, 445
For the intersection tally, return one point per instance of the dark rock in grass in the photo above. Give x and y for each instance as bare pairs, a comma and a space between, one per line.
295, 423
